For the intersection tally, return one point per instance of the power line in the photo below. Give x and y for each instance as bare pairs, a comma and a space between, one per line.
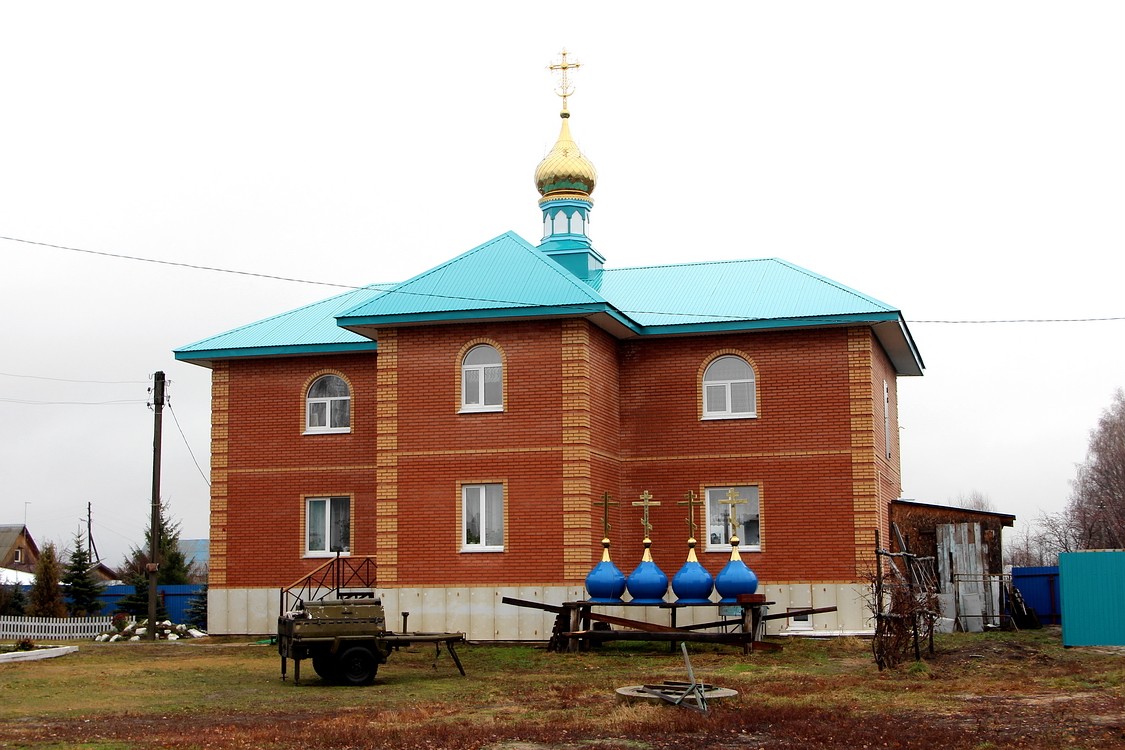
174, 263
1020, 320
68, 380
30, 402
390, 289
187, 444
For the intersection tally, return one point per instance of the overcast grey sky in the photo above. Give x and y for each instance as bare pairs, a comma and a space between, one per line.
962, 161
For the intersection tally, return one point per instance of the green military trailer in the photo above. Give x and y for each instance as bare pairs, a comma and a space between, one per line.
347, 640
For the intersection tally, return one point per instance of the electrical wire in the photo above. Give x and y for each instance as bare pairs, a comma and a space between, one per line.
67, 380
391, 289
187, 444
1020, 320
30, 402
120, 256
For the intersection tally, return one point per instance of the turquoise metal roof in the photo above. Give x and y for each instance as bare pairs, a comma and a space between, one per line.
508, 278
707, 294
504, 277
310, 329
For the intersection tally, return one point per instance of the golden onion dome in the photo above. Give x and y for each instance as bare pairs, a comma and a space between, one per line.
565, 170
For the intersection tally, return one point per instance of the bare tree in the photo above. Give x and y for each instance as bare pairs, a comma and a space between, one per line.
1024, 547
1097, 503
975, 500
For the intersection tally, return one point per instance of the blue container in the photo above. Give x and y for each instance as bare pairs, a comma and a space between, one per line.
1039, 587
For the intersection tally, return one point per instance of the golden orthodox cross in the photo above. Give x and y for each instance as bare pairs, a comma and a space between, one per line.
691, 502
732, 500
563, 68
646, 502
605, 503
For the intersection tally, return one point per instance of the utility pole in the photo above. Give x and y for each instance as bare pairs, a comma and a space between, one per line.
92, 548
154, 536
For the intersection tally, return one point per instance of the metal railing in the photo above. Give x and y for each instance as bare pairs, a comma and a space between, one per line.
333, 578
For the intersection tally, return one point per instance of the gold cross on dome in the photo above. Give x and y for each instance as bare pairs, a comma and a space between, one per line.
605, 502
563, 68
691, 502
646, 502
732, 500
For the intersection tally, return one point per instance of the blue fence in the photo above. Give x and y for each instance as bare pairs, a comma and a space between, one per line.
1040, 589
176, 599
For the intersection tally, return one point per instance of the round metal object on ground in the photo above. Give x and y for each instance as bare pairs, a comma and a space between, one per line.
631, 693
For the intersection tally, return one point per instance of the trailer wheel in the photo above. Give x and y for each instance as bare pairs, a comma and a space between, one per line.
325, 667
356, 666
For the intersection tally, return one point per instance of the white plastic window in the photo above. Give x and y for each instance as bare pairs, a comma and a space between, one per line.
799, 622
482, 380
482, 514
328, 526
747, 515
328, 406
728, 389
887, 419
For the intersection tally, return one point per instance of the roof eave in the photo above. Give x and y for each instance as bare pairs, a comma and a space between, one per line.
363, 324
889, 328
205, 357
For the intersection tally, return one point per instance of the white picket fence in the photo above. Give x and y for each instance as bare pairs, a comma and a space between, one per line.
52, 628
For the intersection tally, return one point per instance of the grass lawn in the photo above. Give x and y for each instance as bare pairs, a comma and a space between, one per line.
992, 690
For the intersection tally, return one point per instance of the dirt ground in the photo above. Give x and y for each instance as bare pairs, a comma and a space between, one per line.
1048, 701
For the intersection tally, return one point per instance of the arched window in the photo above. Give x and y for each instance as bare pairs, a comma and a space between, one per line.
482, 381
728, 389
328, 406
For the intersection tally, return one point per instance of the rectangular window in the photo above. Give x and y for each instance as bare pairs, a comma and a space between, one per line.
19, 555
799, 622
328, 526
746, 512
716, 399
482, 518
471, 392
887, 417
741, 398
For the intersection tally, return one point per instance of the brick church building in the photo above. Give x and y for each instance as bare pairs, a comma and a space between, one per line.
461, 428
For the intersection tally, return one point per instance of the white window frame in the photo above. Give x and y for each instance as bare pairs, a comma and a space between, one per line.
327, 402
481, 372
328, 501
19, 555
725, 387
720, 527
887, 418
481, 491
795, 624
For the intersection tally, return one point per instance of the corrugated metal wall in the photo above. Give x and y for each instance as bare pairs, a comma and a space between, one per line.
1092, 589
1040, 589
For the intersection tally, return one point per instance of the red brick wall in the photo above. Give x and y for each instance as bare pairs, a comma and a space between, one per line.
584, 414
438, 448
271, 467
797, 450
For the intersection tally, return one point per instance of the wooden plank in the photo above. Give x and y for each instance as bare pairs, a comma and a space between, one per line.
807, 611
648, 627
533, 605
663, 635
